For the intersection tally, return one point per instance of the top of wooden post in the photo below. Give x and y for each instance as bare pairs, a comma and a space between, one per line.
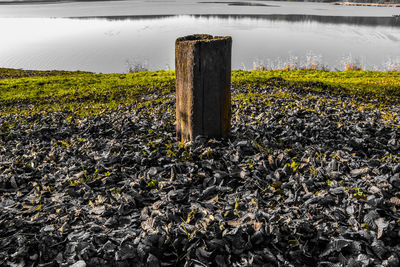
201, 38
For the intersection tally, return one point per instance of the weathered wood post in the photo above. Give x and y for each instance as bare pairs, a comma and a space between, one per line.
203, 78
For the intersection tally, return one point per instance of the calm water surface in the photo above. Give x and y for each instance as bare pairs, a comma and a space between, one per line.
275, 35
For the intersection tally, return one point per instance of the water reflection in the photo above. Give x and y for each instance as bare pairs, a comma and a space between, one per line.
68, 8
116, 44
393, 21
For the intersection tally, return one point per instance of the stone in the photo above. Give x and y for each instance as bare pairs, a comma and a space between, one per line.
80, 263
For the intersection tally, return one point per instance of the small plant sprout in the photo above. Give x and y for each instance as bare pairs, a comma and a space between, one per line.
357, 193
171, 153
236, 211
188, 234
65, 143
152, 184
181, 145
236, 204
294, 165
186, 155
51, 191
365, 226
313, 171
84, 172
208, 153
191, 215
295, 242
258, 146
72, 182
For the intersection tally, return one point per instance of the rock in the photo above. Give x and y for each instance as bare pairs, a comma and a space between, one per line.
153, 171
152, 261
359, 172
80, 263
242, 143
395, 180
396, 168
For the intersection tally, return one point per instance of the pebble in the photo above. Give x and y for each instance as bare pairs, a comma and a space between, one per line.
80, 263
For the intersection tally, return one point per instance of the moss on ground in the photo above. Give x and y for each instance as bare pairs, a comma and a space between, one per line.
83, 94
368, 84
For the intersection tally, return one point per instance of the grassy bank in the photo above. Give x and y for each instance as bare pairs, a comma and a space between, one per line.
83, 94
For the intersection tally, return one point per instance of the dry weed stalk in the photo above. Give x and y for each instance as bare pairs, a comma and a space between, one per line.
349, 66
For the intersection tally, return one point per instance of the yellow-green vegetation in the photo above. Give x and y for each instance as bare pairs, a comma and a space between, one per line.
363, 83
18, 73
80, 93
83, 94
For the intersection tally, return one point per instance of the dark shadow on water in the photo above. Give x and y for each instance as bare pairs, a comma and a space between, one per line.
238, 3
362, 21
134, 17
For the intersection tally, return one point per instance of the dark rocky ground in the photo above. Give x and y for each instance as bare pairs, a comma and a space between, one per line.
304, 180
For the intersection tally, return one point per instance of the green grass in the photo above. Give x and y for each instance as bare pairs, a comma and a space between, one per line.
18, 73
383, 85
85, 94
80, 93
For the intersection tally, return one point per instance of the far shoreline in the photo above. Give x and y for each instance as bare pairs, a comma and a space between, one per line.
24, 2
33, 2
364, 4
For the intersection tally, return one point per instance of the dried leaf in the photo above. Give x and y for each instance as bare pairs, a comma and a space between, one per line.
98, 210
382, 225
257, 226
395, 201
359, 172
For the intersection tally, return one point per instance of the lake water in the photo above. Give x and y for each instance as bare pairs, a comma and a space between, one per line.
115, 36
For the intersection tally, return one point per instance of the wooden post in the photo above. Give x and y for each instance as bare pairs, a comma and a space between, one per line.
203, 79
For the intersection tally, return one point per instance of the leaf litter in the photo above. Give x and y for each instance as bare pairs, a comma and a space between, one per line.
305, 179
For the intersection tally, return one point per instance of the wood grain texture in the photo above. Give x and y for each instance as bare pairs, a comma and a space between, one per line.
203, 97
